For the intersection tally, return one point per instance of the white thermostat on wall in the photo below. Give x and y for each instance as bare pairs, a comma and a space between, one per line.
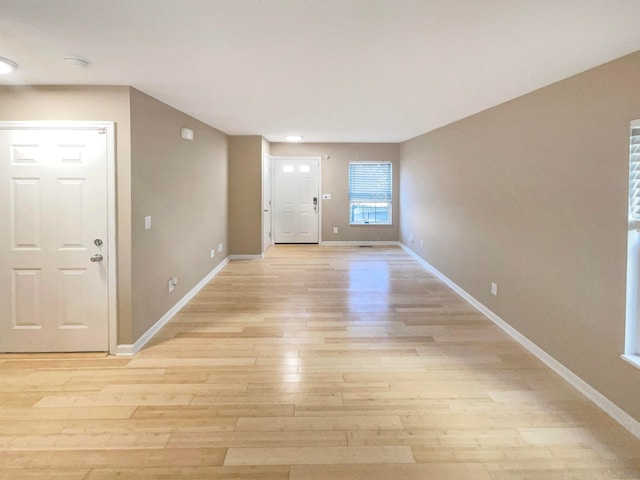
187, 133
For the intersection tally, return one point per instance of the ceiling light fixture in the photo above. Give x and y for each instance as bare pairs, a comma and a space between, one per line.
7, 66
77, 62
293, 138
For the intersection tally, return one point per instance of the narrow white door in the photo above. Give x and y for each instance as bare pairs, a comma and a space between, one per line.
53, 233
296, 200
266, 204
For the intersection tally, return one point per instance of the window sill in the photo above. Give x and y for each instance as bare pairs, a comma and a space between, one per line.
632, 359
371, 224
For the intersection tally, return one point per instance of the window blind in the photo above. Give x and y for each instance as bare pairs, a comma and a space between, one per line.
370, 182
634, 175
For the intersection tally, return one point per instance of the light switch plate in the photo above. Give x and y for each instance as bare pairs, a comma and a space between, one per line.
326, 196
147, 223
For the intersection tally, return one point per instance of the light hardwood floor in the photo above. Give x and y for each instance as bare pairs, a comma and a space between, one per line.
315, 363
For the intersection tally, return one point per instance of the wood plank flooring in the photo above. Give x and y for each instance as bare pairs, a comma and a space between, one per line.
317, 362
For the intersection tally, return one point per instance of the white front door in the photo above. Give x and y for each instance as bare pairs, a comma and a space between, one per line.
53, 239
296, 202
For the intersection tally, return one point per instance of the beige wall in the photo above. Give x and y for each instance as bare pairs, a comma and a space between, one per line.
182, 185
335, 180
245, 194
532, 195
88, 104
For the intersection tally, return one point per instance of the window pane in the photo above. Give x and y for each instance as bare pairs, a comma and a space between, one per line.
370, 213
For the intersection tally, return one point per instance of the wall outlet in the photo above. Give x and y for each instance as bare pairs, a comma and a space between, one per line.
213, 252
173, 281
494, 289
147, 222
220, 247
411, 238
335, 229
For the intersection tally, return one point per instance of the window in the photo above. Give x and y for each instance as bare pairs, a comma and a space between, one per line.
632, 337
370, 193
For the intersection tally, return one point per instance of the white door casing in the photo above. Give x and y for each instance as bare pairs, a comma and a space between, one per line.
296, 200
55, 215
267, 239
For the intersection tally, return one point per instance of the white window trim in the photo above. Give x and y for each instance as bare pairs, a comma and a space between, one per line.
390, 202
632, 324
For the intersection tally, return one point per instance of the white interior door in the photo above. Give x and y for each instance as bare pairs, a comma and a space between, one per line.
53, 239
296, 200
266, 203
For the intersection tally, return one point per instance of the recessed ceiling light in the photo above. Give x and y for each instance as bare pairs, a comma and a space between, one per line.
77, 62
293, 138
7, 66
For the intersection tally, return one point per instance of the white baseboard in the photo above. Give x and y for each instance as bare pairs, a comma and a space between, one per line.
360, 242
619, 415
131, 349
246, 257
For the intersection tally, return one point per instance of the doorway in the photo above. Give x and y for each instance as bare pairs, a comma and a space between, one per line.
57, 237
296, 200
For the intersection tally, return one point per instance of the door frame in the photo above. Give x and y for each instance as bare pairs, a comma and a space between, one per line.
293, 158
112, 284
267, 186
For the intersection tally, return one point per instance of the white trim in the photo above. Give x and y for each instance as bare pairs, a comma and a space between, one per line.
126, 350
112, 276
246, 257
632, 359
361, 242
112, 239
632, 324
622, 417
266, 180
320, 209
131, 349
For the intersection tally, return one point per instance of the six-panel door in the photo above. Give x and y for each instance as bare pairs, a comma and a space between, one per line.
53, 231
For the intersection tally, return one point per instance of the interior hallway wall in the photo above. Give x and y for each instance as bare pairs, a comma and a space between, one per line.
532, 195
245, 194
335, 180
182, 185
81, 103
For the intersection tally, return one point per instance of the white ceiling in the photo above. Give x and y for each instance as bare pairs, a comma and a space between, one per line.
330, 70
